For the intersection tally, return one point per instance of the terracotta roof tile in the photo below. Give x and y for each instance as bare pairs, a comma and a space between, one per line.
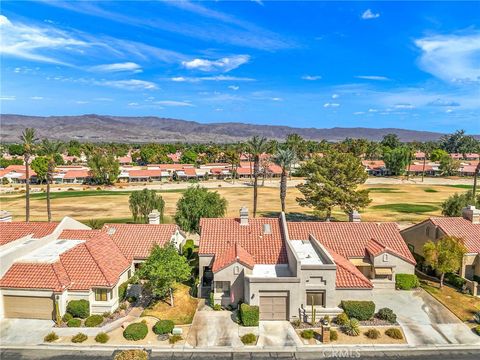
73, 174
234, 253
36, 276
462, 228
11, 231
348, 276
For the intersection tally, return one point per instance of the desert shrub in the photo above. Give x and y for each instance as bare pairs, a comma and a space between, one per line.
163, 327
307, 334
67, 317
122, 291
476, 317
249, 315
93, 320
296, 323
107, 314
455, 280
387, 314
406, 281
211, 299
352, 327
477, 330
174, 338
132, 299
131, 355
102, 338
136, 331
74, 322
249, 339
372, 334
333, 335
79, 308
341, 319
217, 307
394, 333
50, 337
79, 338
361, 310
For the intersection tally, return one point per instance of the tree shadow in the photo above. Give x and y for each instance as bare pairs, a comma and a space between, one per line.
293, 216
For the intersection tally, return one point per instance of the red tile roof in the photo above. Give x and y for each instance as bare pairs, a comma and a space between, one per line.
373, 164
419, 167
36, 276
136, 240
244, 171
145, 173
374, 247
190, 172
462, 228
348, 276
234, 253
274, 169
218, 235
11, 231
74, 174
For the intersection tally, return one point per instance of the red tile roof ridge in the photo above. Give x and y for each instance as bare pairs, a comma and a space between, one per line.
350, 268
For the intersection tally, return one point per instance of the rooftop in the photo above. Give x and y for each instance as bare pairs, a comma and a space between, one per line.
271, 271
306, 252
50, 252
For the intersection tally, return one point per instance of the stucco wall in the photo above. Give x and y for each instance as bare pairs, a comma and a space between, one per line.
416, 236
235, 275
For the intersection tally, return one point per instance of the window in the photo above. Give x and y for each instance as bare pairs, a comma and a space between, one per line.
101, 294
129, 274
385, 257
222, 287
317, 298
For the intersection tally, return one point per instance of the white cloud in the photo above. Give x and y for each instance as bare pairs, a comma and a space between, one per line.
234, 87
224, 64
368, 15
36, 97
277, 99
440, 102
334, 105
133, 104
81, 102
335, 96
132, 84
7, 98
372, 110
174, 103
372, 77
449, 111
452, 58
404, 106
311, 77
359, 113
103, 99
210, 78
117, 67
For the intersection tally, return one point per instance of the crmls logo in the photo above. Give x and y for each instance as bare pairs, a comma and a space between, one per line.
340, 353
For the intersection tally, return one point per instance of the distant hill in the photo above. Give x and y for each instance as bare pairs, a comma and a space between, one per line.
141, 129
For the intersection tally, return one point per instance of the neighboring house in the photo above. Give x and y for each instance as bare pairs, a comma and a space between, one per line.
375, 167
284, 267
45, 265
466, 227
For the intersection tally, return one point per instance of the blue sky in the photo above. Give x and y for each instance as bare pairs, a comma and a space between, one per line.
308, 64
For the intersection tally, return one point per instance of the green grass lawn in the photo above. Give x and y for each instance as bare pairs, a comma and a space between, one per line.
460, 186
429, 190
406, 208
384, 190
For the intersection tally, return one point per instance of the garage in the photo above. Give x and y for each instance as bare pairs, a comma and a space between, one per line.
274, 306
28, 307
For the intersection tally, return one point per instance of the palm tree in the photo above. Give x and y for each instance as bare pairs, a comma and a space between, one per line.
285, 159
256, 146
50, 149
28, 139
475, 175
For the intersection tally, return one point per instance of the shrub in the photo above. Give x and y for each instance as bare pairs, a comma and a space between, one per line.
217, 307
163, 327
372, 334
122, 291
477, 330
352, 327
296, 323
307, 334
394, 333
67, 317
333, 335
79, 338
136, 331
74, 322
476, 317
249, 339
249, 315
406, 281
455, 280
79, 308
387, 314
50, 337
341, 319
132, 299
107, 314
174, 338
211, 300
361, 310
131, 355
93, 320
102, 338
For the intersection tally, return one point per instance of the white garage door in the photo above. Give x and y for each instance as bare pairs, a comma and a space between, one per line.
274, 307
28, 307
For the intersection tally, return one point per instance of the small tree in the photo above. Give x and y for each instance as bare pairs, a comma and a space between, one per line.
104, 167
142, 203
40, 166
455, 203
445, 255
163, 269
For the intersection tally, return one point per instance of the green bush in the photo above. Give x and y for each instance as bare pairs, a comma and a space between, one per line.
477, 330
211, 300
174, 338
406, 281
163, 327
79, 338
132, 299
122, 291
476, 317
352, 327
217, 307
394, 333
79, 308
455, 280
67, 317
307, 334
341, 319
372, 334
360, 310
249, 315
74, 322
93, 320
102, 338
50, 337
333, 335
249, 339
188, 248
387, 314
136, 331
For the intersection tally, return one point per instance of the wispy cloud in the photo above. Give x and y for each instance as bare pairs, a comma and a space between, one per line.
372, 77
331, 105
441, 102
452, 58
311, 77
234, 87
369, 14
404, 106
209, 78
81, 102
335, 96
36, 97
224, 64
7, 98
117, 67
174, 103
131, 84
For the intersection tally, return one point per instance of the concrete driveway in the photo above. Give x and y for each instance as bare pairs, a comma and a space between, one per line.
213, 328
24, 331
424, 320
277, 334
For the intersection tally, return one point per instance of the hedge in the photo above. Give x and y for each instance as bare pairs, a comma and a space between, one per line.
102, 338
455, 280
79, 308
406, 281
387, 314
74, 322
249, 339
136, 331
394, 333
122, 290
67, 317
360, 310
249, 315
163, 327
94, 320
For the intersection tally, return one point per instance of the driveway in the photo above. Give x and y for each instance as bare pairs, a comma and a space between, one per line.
24, 331
424, 320
277, 334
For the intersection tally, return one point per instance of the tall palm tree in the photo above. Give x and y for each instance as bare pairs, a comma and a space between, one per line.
475, 175
50, 149
28, 139
285, 159
256, 146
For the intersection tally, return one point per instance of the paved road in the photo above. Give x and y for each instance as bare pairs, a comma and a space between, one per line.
39, 354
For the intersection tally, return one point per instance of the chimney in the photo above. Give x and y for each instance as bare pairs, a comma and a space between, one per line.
354, 216
154, 217
267, 229
243, 216
5, 216
472, 214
